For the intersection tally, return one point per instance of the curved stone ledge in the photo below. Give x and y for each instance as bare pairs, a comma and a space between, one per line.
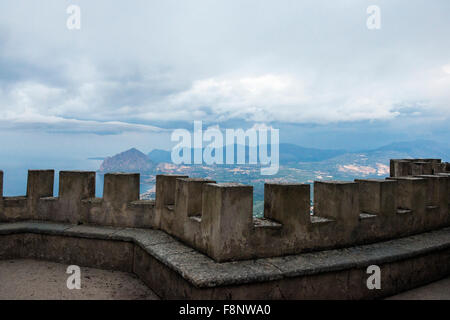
156, 255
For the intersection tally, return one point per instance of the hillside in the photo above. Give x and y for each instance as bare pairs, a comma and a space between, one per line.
365, 162
131, 160
289, 154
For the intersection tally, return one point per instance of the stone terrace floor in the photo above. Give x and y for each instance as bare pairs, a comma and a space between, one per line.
31, 279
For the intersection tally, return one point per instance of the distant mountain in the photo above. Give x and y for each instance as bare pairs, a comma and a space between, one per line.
417, 149
158, 156
292, 155
398, 150
131, 160
289, 153
298, 165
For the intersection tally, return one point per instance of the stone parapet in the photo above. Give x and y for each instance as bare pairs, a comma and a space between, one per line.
217, 218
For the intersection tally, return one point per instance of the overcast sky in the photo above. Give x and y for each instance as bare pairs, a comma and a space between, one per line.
138, 69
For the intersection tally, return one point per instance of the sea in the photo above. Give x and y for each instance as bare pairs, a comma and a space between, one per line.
15, 173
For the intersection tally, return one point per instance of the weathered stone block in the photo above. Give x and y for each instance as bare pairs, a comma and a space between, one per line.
288, 204
400, 167
227, 219
411, 198
438, 167
437, 191
10, 246
165, 189
165, 199
104, 254
142, 214
422, 167
337, 200
39, 185
15, 209
448, 194
377, 196
119, 190
188, 203
191, 190
74, 186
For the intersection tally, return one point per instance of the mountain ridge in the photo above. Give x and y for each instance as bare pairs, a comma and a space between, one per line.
290, 154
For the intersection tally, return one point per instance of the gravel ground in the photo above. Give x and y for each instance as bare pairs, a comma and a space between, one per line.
36, 280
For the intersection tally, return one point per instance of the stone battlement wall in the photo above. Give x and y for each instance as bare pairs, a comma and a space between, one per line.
216, 218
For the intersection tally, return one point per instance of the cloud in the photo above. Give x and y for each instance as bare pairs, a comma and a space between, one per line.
243, 97
446, 69
292, 99
289, 62
34, 106
52, 124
